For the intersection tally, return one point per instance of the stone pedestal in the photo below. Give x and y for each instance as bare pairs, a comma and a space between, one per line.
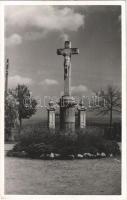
67, 113
51, 115
82, 115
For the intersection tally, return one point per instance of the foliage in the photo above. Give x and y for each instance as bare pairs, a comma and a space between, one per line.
11, 114
91, 130
110, 101
36, 143
114, 132
26, 103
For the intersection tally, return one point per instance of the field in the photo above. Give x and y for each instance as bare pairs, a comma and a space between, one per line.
77, 177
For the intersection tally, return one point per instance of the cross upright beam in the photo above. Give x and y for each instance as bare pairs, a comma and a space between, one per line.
67, 52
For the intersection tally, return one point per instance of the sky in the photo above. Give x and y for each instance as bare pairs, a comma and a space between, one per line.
34, 33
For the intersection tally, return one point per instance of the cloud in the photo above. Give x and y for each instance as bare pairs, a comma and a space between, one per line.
64, 37
43, 19
79, 88
16, 79
14, 39
48, 82
34, 35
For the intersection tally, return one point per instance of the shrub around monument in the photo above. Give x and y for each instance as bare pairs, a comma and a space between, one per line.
36, 150
38, 143
92, 144
91, 130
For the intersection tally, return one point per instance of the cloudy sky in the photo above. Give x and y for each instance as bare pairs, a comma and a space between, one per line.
33, 34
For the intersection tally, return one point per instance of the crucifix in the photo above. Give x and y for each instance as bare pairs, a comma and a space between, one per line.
67, 51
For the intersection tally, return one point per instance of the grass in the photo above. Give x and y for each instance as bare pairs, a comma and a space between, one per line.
82, 177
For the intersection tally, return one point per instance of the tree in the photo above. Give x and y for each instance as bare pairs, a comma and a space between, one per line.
11, 114
26, 103
110, 101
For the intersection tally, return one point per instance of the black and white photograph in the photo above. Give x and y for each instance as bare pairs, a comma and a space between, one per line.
63, 94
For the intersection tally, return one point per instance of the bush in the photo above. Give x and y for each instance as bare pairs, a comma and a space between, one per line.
36, 150
10, 115
67, 150
91, 130
32, 135
36, 142
114, 132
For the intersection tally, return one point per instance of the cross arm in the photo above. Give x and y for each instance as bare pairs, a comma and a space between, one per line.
60, 51
68, 51
74, 51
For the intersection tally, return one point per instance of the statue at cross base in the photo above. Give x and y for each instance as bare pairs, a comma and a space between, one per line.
67, 52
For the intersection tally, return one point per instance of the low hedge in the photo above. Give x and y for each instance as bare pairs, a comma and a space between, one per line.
38, 142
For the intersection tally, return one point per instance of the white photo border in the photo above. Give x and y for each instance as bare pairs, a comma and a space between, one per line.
123, 195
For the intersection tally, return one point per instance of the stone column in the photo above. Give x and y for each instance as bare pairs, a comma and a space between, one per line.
51, 115
82, 115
